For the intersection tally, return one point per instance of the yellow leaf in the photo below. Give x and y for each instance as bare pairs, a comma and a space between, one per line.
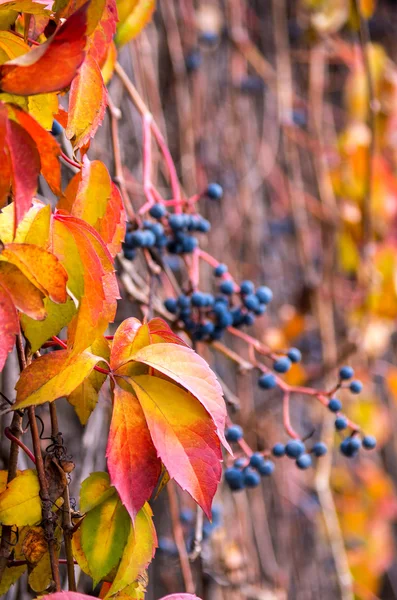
34, 544
52, 376
109, 64
94, 490
57, 317
138, 552
20, 502
133, 15
11, 574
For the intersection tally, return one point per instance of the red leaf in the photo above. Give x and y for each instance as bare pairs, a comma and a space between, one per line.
9, 325
25, 168
123, 340
184, 436
53, 65
5, 170
66, 596
133, 464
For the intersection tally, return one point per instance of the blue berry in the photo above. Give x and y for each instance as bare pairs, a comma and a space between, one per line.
157, 229
256, 460
129, 253
234, 478
278, 450
224, 318
56, 128
267, 381
137, 239
214, 191
240, 463
334, 405
234, 433
238, 317
320, 449
356, 386
189, 243
209, 37
282, 365
171, 305
304, 461
183, 301
203, 226
207, 328
294, 448
149, 238
247, 287
194, 60
264, 294
186, 516
198, 299
340, 423
157, 211
227, 287
294, 355
167, 545
220, 270
251, 478
248, 319
350, 447
251, 302
260, 310
369, 442
208, 299
252, 83
346, 372
217, 333
177, 222
266, 468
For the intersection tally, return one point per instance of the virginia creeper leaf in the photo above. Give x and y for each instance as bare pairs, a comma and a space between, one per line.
57, 317
104, 533
133, 15
20, 502
9, 325
26, 297
53, 376
30, 6
95, 490
132, 459
184, 435
51, 66
139, 551
87, 103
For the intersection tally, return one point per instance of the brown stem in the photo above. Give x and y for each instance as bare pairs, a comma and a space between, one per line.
179, 539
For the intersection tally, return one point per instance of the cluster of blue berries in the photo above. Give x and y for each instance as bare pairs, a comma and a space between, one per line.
171, 232
206, 317
282, 364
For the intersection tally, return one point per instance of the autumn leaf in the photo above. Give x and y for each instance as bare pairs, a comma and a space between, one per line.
9, 325
139, 551
87, 103
104, 531
132, 458
100, 41
57, 316
25, 296
20, 502
184, 436
30, 6
52, 376
39, 71
180, 597
95, 490
133, 15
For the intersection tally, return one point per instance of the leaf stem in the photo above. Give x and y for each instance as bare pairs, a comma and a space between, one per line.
13, 438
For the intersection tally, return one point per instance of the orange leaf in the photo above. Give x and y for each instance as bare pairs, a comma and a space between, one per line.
48, 148
52, 376
5, 169
26, 297
100, 41
41, 268
132, 459
53, 65
184, 436
9, 325
87, 103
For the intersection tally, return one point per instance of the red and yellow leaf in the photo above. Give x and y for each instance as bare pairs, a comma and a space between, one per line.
51, 66
87, 103
9, 325
52, 376
25, 296
184, 436
133, 463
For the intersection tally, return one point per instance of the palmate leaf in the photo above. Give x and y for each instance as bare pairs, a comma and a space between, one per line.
156, 421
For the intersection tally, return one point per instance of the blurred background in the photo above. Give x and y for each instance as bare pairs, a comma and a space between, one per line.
292, 107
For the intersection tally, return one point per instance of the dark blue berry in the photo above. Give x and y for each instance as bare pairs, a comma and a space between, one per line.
208, 299
264, 294
238, 317
217, 333
251, 478
56, 128
186, 516
267, 381
207, 328
369, 442
356, 386
189, 243
137, 239
198, 299
161, 241
157, 211
256, 460
350, 447
247, 287
224, 318
183, 301
278, 450
320, 449
282, 365
209, 37
340, 423
157, 229
252, 83
203, 226
167, 545
149, 238
346, 372
239, 463
234, 433
129, 253
193, 60
234, 478
220, 270
304, 461
266, 468
294, 448
294, 355
171, 305
129, 239
248, 319
214, 191
260, 310
251, 302
177, 222
227, 287
335, 405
